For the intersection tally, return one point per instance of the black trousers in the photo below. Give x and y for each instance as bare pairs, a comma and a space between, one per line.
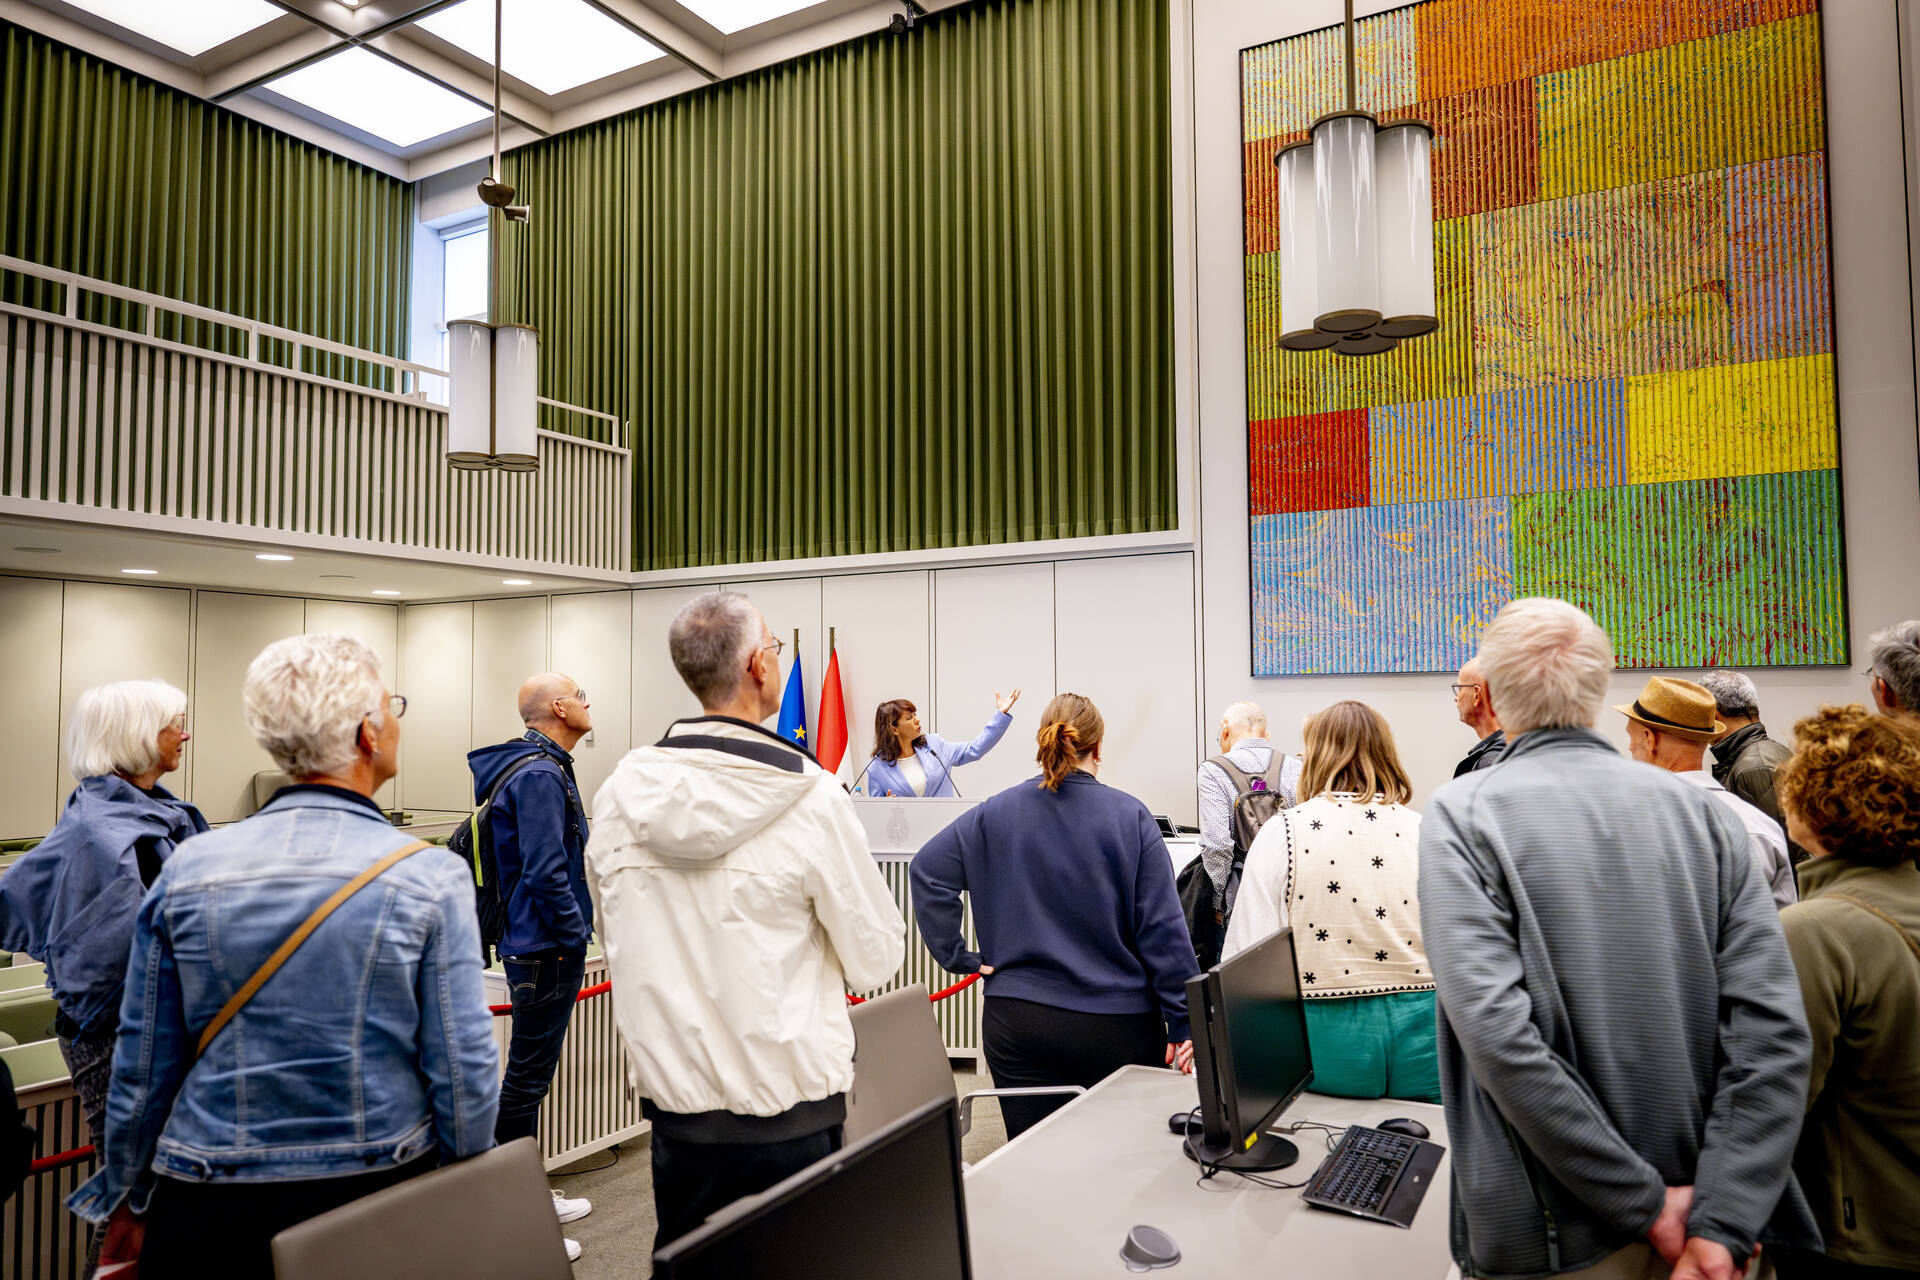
1031, 1044
694, 1180
226, 1229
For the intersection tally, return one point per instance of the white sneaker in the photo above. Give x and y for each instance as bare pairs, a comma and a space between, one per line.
571, 1210
573, 1251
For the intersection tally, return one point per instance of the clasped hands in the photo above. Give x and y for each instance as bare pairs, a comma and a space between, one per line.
1692, 1258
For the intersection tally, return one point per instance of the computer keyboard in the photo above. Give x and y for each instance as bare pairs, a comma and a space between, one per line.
1362, 1172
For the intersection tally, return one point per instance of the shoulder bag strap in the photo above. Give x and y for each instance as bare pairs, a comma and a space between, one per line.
1913, 945
286, 949
1237, 777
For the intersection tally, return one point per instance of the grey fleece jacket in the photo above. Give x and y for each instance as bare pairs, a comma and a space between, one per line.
1618, 1011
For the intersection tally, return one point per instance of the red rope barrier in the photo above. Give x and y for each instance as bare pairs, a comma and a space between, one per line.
586, 993
60, 1160
939, 995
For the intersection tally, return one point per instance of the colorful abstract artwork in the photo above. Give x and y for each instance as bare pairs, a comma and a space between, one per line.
1630, 401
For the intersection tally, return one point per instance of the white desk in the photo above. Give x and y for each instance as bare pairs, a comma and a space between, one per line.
1059, 1201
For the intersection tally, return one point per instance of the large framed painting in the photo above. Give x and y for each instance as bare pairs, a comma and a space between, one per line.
1630, 400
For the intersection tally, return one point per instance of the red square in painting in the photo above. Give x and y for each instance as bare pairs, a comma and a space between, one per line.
1318, 462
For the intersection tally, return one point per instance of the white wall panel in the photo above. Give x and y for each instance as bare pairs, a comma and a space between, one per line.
789, 605
436, 674
659, 696
378, 627
232, 630
993, 630
30, 655
509, 644
1125, 638
114, 632
884, 623
592, 642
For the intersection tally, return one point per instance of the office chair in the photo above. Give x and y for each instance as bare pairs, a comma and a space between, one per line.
487, 1218
900, 1062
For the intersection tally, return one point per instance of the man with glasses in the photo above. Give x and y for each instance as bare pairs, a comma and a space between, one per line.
1893, 670
539, 832
1475, 708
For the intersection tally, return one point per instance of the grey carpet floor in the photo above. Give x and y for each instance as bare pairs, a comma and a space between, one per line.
616, 1239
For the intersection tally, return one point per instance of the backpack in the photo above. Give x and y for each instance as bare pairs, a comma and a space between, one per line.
1257, 797
472, 842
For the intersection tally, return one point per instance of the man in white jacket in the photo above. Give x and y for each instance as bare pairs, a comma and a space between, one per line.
737, 902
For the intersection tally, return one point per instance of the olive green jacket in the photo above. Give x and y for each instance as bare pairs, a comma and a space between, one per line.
1859, 1155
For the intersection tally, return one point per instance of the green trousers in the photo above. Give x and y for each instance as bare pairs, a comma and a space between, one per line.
1375, 1046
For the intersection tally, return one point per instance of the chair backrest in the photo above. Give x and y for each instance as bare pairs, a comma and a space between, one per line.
265, 783
488, 1218
23, 977
899, 1060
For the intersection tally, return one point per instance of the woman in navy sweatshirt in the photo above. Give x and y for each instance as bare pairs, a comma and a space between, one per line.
1082, 942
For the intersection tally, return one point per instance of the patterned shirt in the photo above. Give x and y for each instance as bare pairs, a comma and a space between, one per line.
1251, 756
1342, 871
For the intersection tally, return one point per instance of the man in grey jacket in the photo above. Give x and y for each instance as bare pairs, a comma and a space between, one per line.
1623, 1051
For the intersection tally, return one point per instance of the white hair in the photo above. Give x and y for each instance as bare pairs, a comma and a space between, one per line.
1733, 694
1546, 664
1245, 718
305, 698
1895, 658
115, 728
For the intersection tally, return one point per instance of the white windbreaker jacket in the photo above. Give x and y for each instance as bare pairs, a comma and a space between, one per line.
736, 903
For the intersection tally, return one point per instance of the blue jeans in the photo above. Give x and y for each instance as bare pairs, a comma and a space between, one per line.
542, 987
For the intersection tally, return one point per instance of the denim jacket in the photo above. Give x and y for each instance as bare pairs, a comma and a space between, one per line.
371, 1047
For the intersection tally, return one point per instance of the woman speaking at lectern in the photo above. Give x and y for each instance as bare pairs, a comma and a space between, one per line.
907, 761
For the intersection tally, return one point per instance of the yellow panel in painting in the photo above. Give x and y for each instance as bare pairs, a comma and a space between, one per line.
1287, 85
1285, 384
1752, 94
1736, 420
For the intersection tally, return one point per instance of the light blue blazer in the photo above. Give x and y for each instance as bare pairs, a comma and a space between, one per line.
939, 758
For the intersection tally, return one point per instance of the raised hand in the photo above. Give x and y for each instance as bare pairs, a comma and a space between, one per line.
1005, 704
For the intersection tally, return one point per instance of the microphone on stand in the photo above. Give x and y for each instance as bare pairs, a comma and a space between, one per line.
871, 757
948, 774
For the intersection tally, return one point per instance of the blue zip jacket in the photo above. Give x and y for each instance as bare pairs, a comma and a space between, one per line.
939, 758
370, 1047
1073, 900
71, 900
540, 842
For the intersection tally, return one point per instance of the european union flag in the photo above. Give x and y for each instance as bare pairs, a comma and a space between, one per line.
793, 705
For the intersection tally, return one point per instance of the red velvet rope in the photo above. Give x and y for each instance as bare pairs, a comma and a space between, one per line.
586, 993
47, 1164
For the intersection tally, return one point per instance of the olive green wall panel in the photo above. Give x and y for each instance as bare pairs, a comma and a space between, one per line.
113, 175
904, 293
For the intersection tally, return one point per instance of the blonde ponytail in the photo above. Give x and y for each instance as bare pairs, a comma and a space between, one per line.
1070, 731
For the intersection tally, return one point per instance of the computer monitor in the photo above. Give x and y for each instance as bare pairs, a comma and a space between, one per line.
1250, 1055
891, 1204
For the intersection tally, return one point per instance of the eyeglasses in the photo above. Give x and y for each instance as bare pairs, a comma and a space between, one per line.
179, 723
578, 695
396, 706
1458, 687
776, 646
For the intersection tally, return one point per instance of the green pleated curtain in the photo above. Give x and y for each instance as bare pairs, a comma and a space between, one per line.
113, 175
905, 293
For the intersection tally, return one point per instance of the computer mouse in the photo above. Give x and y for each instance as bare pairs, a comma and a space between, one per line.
1401, 1124
1184, 1123
1149, 1249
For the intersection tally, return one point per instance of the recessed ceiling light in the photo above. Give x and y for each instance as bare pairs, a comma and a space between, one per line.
271, 555
39, 551
729, 16
378, 97
140, 572
516, 582
192, 28
386, 593
553, 45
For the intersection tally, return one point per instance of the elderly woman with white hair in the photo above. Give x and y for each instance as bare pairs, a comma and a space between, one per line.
70, 902
252, 1088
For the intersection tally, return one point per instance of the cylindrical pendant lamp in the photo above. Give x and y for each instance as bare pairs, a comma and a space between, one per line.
1348, 267
470, 394
1403, 182
516, 409
1299, 247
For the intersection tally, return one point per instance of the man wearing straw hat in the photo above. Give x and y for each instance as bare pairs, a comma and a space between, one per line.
1669, 726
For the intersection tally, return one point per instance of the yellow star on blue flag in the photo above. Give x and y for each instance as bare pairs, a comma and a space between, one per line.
793, 705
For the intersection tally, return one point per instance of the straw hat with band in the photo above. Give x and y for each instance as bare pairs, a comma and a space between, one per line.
1679, 707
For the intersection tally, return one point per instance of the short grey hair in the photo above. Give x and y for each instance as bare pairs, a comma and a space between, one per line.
115, 728
305, 697
1896, 659
1733, 694
1547, 664
1245, 717
710, 640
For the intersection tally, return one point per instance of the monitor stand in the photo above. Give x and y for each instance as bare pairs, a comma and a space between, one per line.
1264, 1156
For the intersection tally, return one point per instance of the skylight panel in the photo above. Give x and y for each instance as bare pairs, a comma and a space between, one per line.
553, 45
729, 16
378, 97
191, 26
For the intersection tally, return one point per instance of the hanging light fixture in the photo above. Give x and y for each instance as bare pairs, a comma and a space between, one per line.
493, 400
1356, 230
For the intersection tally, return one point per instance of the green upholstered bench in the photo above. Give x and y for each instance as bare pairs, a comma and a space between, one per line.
27, 1016
22, 977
